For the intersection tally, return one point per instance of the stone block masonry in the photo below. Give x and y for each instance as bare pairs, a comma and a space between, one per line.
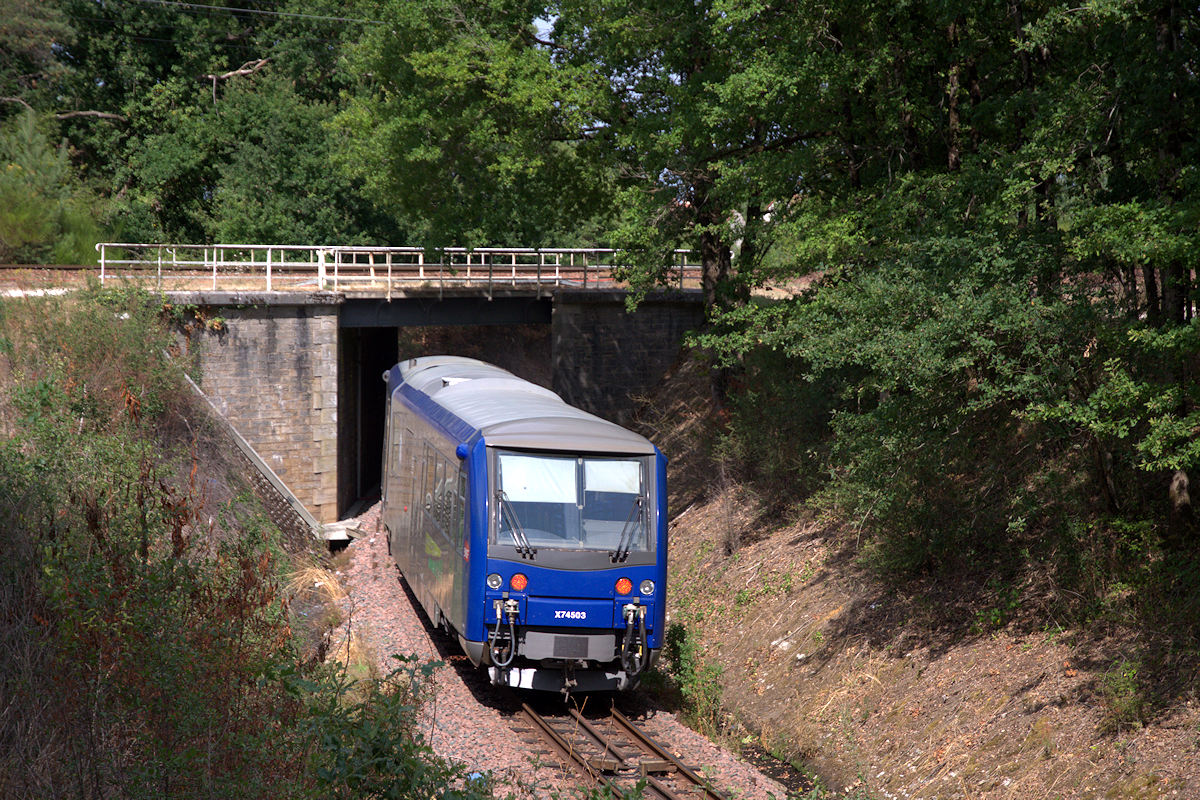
294, 381
606, 357
273, 372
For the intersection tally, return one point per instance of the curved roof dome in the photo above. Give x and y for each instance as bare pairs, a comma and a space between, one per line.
512, 412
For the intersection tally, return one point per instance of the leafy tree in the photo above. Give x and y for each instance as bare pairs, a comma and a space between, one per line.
46, 215
995, 220
463, 128
695, 107
215, 120
275, 182
29, 32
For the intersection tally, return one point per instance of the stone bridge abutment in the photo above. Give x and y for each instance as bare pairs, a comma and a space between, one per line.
299, 375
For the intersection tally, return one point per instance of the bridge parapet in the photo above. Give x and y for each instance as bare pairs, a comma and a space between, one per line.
372, 271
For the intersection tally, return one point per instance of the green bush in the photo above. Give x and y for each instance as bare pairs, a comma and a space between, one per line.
146, 648
1124, 698
778, 434
367, 740
698, 681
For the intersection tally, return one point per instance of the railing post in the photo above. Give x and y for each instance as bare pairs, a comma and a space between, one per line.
101, 247
158, 281
585, 260
268, 269
321, 269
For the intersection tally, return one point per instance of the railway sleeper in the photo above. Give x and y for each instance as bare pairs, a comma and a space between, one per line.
655, 766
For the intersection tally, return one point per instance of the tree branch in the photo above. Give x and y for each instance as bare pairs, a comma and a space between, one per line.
16, 100
96, 114
69, 114
760, 147
531, 37
249, 68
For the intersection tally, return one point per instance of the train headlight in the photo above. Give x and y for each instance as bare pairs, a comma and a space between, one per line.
494, 581
518, 582
624, 586
646, 587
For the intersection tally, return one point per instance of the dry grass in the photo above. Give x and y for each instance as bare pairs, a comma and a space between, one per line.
323, 616
312, 578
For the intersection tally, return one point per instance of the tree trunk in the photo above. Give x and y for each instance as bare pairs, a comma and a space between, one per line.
954, 96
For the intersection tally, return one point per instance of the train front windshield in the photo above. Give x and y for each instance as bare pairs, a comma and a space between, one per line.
572, 503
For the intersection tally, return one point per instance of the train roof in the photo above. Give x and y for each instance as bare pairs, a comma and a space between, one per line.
512, 412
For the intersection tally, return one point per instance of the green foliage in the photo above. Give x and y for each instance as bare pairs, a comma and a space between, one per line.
154, 633
465, 129
996, 301
1124, 697
193, 125
29, 33
147, 649
698, 680
1003, 601
368, 741
1139, 400
69, 375
46, 214
778, 433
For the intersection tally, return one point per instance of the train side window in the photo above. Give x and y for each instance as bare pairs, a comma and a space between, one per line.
439, 491
412, 487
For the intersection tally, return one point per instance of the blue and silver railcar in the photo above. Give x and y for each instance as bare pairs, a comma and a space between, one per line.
533, 531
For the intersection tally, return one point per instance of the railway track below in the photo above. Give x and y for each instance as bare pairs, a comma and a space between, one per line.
471, 722
613, 752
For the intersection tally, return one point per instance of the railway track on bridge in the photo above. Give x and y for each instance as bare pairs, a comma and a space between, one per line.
613, 752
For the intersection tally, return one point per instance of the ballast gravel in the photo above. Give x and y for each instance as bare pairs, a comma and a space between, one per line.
469, 722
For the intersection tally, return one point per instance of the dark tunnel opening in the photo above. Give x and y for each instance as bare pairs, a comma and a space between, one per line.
366, 354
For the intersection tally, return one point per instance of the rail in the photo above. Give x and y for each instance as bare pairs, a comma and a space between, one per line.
274, 268
616, 756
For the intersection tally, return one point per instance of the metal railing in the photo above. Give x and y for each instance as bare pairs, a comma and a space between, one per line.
282, 268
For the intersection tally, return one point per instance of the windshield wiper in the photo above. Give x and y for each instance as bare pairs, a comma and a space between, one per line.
635, 516
518, 533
